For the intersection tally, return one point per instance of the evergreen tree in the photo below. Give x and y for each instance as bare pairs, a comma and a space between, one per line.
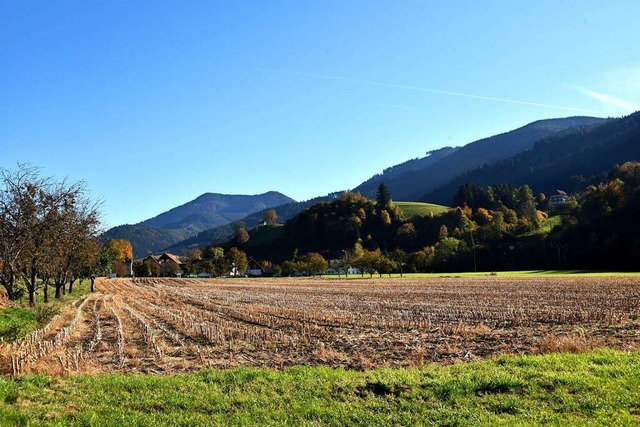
383, 198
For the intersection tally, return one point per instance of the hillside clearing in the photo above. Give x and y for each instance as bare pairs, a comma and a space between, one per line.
414, 209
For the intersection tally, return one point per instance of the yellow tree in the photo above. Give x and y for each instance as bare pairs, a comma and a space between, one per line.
119, 254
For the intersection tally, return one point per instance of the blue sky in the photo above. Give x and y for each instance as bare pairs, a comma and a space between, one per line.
154, 103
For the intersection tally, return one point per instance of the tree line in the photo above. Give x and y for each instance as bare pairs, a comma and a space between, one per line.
49, 235
498, 227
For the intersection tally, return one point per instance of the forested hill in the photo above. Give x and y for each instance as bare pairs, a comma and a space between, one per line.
210, 210
224, 232
568, 162
412, 184
207, 211
370, 186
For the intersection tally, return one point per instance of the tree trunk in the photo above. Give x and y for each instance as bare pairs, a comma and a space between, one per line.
71, 282
31, 286
59, 282
93, 283
32, 296
45, 292
8, 283
9, 288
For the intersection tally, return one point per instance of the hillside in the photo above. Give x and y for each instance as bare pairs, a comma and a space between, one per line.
413, 209
207, 211
568, 162
412, 184
224, 232
210, 210
370, 186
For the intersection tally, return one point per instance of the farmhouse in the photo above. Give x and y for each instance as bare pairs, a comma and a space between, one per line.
166, 264
255, 269
558, 200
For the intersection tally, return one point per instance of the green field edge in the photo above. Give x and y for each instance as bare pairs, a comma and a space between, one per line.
601, 387
20, 320
523, 273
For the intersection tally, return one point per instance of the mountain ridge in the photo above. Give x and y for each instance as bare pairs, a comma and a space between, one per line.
207, 211
553, 163
412, 185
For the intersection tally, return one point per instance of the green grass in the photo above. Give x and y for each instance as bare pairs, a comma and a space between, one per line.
524, 273
16, 322
599, 388
414, 209
551, 222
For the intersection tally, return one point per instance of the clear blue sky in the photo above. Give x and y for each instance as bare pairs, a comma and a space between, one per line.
154, 103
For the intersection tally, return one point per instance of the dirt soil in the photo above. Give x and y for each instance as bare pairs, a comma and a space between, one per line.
176, 325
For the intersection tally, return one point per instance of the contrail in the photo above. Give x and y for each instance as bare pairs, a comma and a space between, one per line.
441, 92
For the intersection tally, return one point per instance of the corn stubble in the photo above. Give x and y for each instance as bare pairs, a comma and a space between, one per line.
174, 325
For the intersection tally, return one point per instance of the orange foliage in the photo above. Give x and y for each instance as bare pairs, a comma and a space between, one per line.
119, 249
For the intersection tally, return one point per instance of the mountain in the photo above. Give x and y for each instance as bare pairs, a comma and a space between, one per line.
569, 161
224, 232
370, 186
207, 211
413, 179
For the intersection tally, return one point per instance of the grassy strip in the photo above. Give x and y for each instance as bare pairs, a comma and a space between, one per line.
598, 388
524, 273
16, 322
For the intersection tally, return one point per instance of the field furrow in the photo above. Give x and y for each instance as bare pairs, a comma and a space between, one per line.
175, 325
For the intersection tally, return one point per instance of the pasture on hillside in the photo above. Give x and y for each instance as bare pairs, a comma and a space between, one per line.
183, 325
413, 209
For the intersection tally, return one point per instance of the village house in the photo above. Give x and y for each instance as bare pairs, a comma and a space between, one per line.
164, 265
255, 269
558, 200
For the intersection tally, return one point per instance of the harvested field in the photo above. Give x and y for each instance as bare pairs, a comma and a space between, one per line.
175, 325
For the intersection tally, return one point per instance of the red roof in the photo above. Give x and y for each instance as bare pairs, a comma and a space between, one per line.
171, 257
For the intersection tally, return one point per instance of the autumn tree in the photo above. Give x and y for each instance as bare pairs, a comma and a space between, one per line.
270, 216
241, 234
43, 224
119, 254
384, 265
314, 264
237, 260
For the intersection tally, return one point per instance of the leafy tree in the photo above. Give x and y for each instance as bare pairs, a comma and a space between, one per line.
237, 260
443, 233
366, 262
448, 251
270, 216
314, 264
400, 257
384, 265
406, 235
38, 219
385, 218
290, 268
421, 261
118, 253
242, 236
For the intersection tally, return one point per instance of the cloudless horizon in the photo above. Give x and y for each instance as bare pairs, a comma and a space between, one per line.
155, 103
